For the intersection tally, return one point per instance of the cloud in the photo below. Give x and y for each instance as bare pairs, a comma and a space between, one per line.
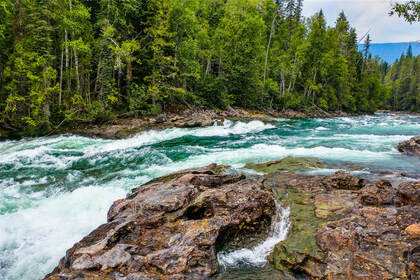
367, 15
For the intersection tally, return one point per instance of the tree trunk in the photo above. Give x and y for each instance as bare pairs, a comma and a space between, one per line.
268, 47
61, 76
208, 67
129, 77
67, 59
76, 58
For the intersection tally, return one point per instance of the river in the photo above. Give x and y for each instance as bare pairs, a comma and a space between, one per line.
55, 190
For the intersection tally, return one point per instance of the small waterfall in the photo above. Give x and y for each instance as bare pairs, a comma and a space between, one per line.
257, 256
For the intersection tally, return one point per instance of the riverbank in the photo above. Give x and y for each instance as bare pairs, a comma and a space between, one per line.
121, 128
124, 127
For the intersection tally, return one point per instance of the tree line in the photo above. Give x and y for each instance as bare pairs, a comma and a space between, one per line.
403, 77
82, 60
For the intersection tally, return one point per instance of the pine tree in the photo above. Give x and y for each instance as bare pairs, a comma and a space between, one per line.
366, 47
409, 52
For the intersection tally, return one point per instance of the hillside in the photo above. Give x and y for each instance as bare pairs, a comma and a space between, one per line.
392, 51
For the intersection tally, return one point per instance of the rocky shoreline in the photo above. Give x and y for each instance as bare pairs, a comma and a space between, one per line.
121, 128
172, 228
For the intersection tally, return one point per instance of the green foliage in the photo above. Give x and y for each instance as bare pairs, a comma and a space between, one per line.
92, 60
410, 10
403, 81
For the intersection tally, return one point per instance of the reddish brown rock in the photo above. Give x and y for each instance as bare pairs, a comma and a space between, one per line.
169, 228
366, 245
333, 236
409, 192
413, 230
381, 193
411, 147
343, 181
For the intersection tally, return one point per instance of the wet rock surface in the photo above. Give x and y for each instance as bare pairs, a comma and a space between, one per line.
288, 164
411, 147
189, 118
182, 118
343, 229
170, 228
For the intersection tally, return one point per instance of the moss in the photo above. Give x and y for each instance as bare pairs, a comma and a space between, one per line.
301, 243
288, 164
128, 132
356, 167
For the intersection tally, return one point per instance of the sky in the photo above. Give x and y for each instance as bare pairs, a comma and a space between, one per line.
367, 15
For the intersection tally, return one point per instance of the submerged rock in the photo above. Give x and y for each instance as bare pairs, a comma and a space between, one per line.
411, 147
170, 228
288, 164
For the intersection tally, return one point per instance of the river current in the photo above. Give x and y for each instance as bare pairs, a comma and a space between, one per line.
55, 190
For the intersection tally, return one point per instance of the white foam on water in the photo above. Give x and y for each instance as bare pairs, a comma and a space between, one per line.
36, 235
32, 241
237, 158
257, 256
37, 150
153, 136
373, 137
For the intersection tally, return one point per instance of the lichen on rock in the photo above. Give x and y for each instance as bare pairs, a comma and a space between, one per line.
289, 164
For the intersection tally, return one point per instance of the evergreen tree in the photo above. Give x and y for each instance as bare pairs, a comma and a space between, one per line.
409, 52
78, 60
366, 47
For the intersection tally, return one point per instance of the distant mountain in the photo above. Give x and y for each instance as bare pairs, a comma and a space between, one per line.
391, 51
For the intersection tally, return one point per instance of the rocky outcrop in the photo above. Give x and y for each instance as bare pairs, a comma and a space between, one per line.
170, 228
411, 147
336, 232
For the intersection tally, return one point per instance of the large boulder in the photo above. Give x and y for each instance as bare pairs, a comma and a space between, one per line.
411, 147
170, 228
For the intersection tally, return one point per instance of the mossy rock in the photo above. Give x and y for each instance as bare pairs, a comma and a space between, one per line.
289, 164
356, 167
129, 132
300, 246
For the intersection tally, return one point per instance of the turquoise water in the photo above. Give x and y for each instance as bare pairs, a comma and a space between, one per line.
55, 190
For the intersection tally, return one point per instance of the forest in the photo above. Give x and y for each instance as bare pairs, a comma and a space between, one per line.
403, 77
88, 61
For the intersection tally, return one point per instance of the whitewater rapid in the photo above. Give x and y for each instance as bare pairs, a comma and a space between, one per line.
55, 190
257, 256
